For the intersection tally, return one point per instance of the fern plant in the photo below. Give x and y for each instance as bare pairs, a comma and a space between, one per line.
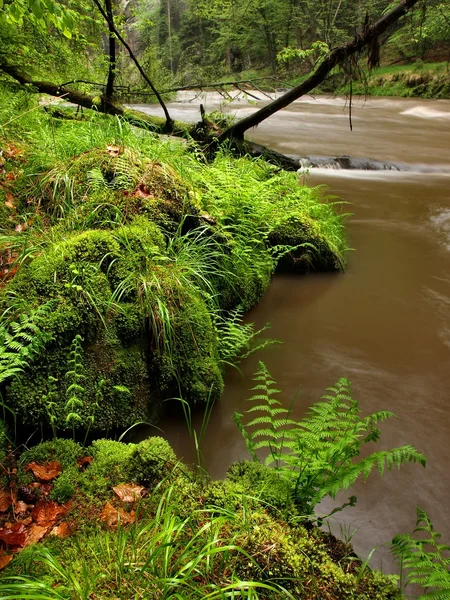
426, 559
21, 341
75, 376
237, 340
319, 454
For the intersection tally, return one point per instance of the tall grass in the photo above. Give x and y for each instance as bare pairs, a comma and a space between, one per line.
162, 556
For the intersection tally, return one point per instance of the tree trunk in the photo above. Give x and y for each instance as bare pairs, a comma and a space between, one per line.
169, 121
112, 51
337, 56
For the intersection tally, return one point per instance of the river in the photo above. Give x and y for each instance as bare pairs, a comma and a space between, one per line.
384, 323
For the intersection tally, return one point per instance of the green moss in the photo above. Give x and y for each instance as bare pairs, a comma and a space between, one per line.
112, 461
65, 486
151, 461
264, 483
310, 247
186, 359
64, 451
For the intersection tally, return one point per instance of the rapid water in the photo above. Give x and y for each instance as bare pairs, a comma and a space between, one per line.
384, 323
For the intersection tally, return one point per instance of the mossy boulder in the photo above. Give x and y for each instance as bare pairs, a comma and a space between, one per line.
310, 248
151, 461
145, 332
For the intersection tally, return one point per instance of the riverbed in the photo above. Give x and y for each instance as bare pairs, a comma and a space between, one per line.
384, 323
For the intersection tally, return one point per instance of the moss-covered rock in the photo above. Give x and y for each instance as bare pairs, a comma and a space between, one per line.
151, 461
310, 248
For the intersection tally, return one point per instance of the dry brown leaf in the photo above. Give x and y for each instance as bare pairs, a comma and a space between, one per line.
113, 516
35, 533
9, 200
4, 559
45, 472
11, 151
114, 150
84, 461
128, 492
43, 489
46, 513
22, 507
142, 191
5, 500
14, 535
62, 530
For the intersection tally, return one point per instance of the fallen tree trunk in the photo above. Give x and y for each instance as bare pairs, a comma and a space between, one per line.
369, 36
102, 104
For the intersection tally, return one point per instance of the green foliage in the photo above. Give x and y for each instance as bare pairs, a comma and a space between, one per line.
319, 455
426, 559
238, 340
111, 461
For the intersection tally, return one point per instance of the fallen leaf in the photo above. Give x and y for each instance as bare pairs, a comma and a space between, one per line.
62, 530
9, 200
21, 507
35, 533
114, 150
11, 151
142, 191
5, 500
46, 513
84, 461
14, 535
11, 176
4, 559
45, 472
113, 516
20, 227
128, 492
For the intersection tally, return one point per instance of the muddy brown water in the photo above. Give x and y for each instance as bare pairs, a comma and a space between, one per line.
384, 323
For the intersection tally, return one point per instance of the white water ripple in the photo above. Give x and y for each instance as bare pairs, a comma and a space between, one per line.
425, 112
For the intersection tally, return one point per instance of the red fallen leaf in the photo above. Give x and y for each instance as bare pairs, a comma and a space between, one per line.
5, 500
46, 513
14, 535
84, 461
62, 530
113, 516
9, 200
35, 533
11, 176
128, 492
4, 559
45, 472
